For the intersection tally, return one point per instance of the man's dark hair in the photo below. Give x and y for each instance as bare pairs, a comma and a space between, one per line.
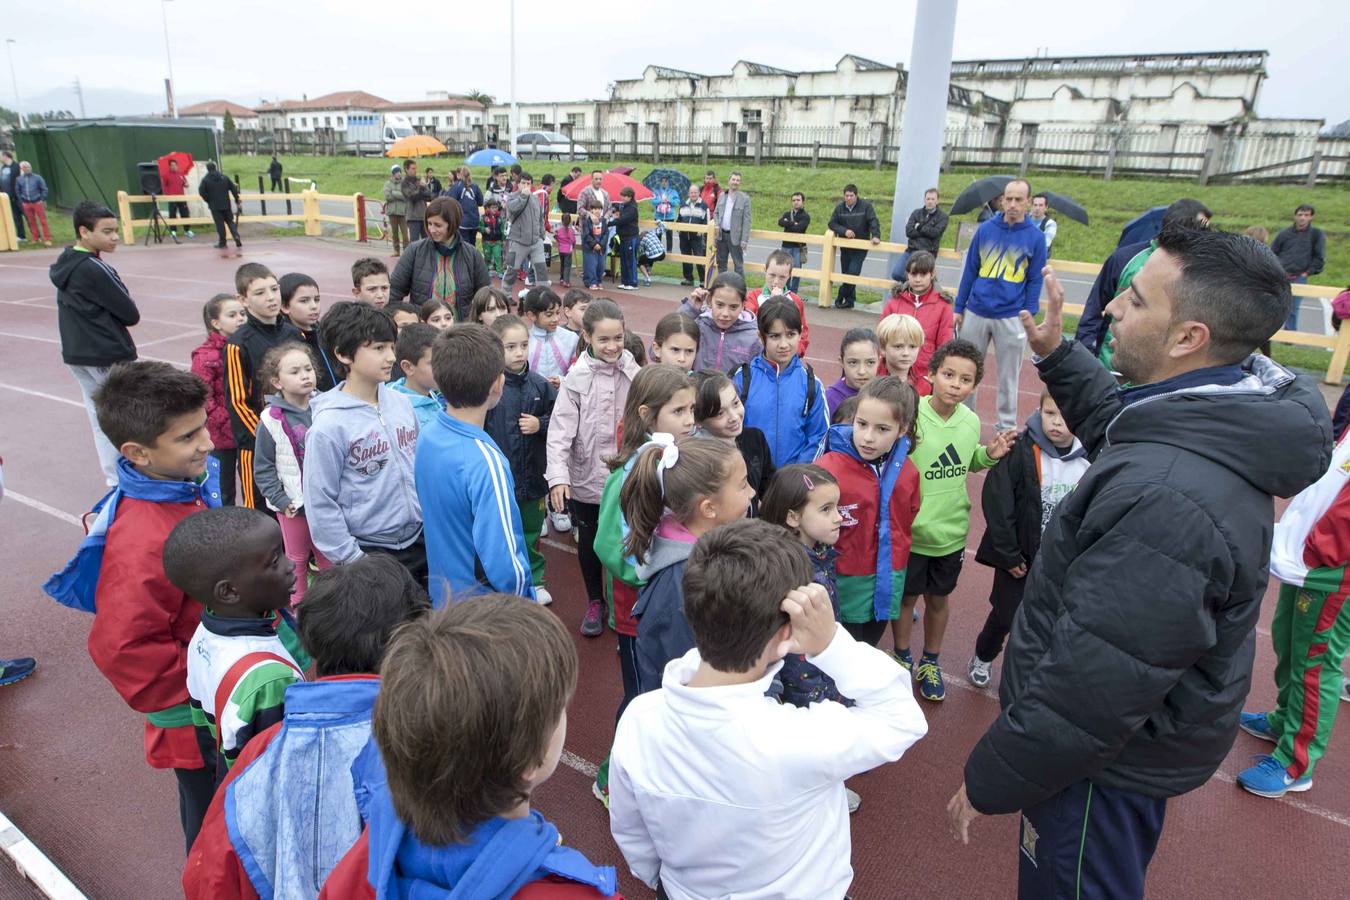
366, 266
347, 326
576, 170
525, 176
1233, 284
470, 696
1305, 206
547, 179
413, 341
734, 585
205, 549
292, 282
1042, 196
210, 167
139, 399
88, 213
626, 192
1186, 213
961, 349
539, 300
350, 612
779, 309
597, 172
409, 162
248, 273
850, 188
796, 194
467, 359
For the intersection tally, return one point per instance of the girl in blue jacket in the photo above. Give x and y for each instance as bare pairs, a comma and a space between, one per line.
783, 397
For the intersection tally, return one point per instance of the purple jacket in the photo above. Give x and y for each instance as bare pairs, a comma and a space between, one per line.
837, 393
721, 350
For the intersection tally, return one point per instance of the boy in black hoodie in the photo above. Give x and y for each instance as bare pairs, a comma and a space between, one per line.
1020, 496
94, 311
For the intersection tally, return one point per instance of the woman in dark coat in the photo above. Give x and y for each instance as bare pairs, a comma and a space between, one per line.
440, 265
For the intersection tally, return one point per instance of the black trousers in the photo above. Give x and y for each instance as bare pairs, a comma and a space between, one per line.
196, 787
586, 518
850, 263
693, 245
229, 460
417, 229
1004, 598
276, 183
178, 210
1088, 841
866, 632
412, 557
222, 218
628, 670
16, 210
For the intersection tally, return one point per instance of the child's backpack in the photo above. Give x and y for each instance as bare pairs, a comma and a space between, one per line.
744, 370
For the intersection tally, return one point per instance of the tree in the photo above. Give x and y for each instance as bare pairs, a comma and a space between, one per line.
8, 116
482, 99
229, 122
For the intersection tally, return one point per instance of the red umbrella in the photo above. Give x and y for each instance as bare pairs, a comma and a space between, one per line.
623, 170
612, 183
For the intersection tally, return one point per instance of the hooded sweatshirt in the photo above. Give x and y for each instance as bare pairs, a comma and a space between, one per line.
496, 861
663, 632
93, 310
721, 350
359, 486
1002, 274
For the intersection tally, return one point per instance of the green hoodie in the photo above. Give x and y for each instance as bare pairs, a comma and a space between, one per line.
948, 451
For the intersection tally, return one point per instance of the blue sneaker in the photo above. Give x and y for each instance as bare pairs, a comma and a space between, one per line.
904, 659
13, 671
1270, 779
929, 676
1258, 725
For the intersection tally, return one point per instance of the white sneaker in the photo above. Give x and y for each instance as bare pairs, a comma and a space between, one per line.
854, 801
980, 672
543, 528
562, 522
542, 596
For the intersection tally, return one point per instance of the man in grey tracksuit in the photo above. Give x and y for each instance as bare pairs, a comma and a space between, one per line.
525, 239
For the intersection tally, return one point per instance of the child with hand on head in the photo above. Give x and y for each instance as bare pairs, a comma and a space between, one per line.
223, 314
901, 338
583, 433
552, 349
677, 491
1019, 497
519, 426
777, 274
859, 356
244, 653
719, 413
359, 488
456, 817
475, 535
921, 299
949, 452
279, 459
718, 790
782, 395
728, 336
412, 350
675, 341
312, 774
370, 282
489, 303
878, 498
661, 401
436, 313
300, 304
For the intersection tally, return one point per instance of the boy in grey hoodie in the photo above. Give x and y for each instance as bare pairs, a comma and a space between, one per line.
525, 236
359, 489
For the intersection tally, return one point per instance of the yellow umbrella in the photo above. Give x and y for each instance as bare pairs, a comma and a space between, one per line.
416, 145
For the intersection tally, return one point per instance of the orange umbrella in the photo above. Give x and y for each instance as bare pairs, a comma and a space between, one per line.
416, 145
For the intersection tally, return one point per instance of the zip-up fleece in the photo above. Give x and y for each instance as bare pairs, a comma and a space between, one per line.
774, 406
1002, 274
948, 451
721, 350
523, 393
1311, 548
277, 469
584, 430
359, 486
663, 632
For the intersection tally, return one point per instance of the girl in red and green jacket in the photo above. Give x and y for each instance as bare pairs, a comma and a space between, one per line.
660, 400
878, 498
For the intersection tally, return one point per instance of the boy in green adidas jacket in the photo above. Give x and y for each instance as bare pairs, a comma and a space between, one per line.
948, 450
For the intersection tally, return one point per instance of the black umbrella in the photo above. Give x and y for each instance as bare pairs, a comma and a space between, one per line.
986, 189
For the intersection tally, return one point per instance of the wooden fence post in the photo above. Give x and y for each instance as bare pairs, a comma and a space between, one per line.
359, 216
311, 202
826, 266
124, 213
1313, 165
1205, 164
1339, 354
710, 246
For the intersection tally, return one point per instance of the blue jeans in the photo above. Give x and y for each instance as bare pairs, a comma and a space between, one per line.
898, 270
593, 267
628, 260
795, 281
1291, 324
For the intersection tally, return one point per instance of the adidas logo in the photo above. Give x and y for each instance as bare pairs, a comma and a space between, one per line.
948, 465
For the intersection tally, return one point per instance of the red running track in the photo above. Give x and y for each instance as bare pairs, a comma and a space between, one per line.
72, 775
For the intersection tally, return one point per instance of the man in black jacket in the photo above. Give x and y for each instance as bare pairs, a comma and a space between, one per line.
94, 311
9, 178
1302, 250
923, 231
795, 221
274, 172
1132, 652
217, 190
853, 219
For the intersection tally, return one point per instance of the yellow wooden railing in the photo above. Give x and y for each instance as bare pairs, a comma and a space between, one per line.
309, 213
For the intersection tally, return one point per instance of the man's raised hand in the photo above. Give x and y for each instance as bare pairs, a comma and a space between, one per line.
1045, 337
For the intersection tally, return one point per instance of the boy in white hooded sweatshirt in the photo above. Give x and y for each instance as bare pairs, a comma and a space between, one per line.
715, 788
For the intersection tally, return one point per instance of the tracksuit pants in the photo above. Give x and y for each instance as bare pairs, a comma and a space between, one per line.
1311, 631
1009, 339
532, 514
90, 379
1004, 598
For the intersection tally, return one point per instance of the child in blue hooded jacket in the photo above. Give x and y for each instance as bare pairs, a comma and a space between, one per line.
782, 395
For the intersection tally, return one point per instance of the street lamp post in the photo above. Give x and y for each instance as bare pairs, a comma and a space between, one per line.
18, 103
164, 13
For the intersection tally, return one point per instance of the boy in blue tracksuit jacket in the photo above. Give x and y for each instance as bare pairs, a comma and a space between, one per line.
475, 543
782, 395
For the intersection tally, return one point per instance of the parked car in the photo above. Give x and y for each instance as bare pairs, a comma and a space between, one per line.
547, 145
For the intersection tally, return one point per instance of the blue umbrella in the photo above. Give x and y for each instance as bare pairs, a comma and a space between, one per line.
1143, 227
490, 158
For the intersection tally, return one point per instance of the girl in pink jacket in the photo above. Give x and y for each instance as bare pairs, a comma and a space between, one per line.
583, 435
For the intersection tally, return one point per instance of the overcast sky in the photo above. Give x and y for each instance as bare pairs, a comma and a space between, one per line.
248, 50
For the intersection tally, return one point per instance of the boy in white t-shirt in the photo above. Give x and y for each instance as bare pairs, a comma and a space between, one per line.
711, 781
